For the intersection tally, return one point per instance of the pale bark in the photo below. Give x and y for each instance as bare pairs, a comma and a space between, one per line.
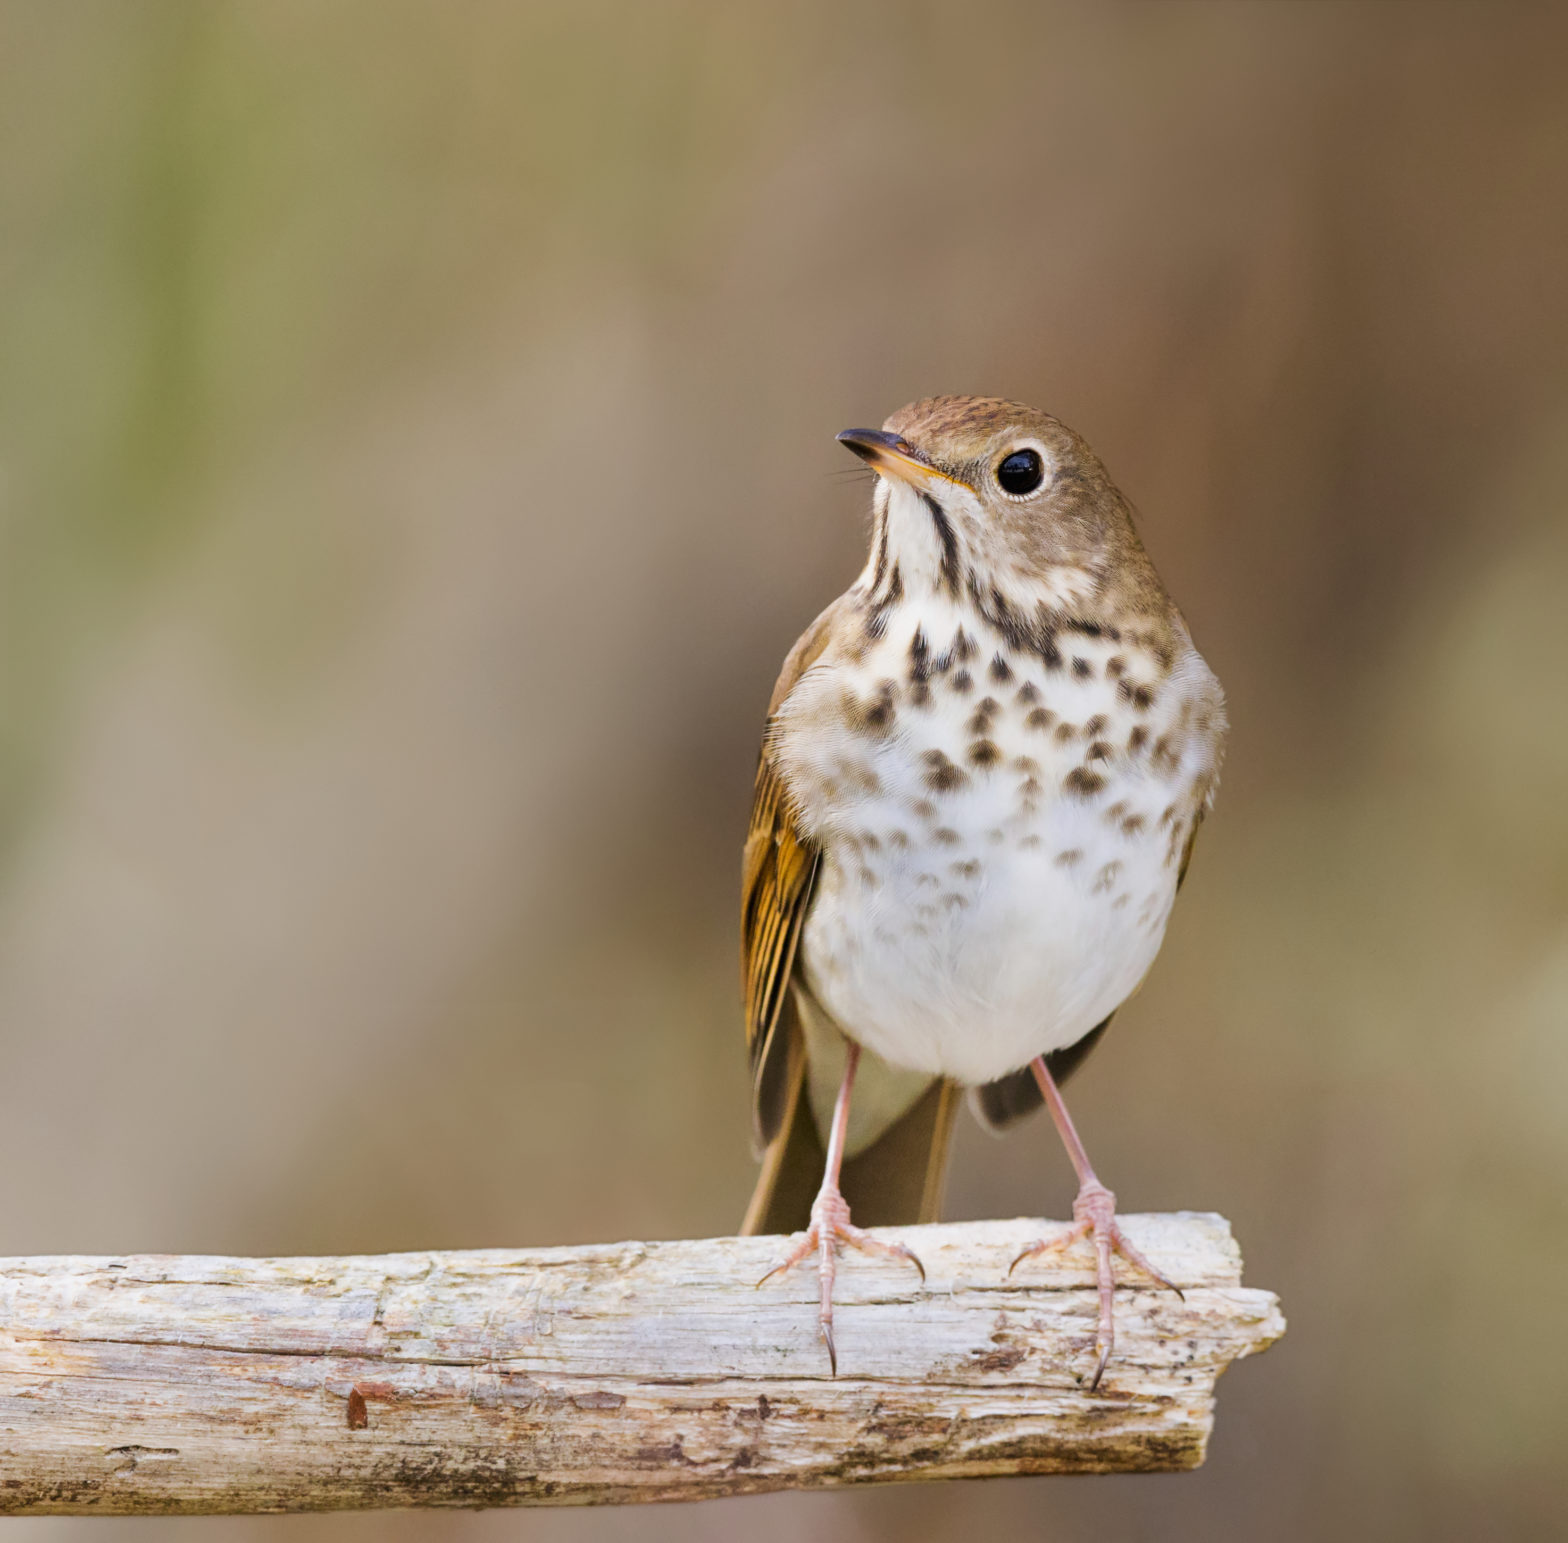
638, 1371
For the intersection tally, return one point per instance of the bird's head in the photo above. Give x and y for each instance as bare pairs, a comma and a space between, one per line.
986, 497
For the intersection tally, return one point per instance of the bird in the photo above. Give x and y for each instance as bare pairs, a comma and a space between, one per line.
983, 769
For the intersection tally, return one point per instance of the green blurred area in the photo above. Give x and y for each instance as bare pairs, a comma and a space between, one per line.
415, 460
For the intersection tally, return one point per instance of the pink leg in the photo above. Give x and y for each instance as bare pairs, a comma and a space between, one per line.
830, 1222
1094, 1215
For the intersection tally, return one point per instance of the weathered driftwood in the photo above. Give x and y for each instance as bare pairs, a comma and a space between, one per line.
639, 1371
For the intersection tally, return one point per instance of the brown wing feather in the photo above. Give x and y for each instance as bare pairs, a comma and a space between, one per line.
778, 870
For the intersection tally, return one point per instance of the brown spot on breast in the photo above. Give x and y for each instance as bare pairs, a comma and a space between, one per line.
1120, 902
963, 649
1081, 667
1137, 739
1028, 693
1092, 629
1001, 670
1065, 731
1029, 843
1095, 727
962, 681
984, 753
996, 835
927, 880
980, 719
1165, 756
1025, 763
1141, 697
1069, 857
1132, 824
945, 835
942, 776
873, 841
898, 840
1039, 718
1083, 783
1030, 787
873, 717
920, 694
955, 902
1106, 877
966, 870
1116, 666
860, 775
1098, 751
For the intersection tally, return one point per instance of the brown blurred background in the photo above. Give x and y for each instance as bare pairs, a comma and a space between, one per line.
415, 459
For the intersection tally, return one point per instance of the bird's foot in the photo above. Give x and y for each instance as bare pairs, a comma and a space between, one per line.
830, 1226
1094, 1217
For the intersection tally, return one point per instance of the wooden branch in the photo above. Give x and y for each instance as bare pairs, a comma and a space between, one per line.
639, 1371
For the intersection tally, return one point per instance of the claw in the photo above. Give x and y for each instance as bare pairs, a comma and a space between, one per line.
1049, 1245
830, 1225
1100, 1365
1094, 1216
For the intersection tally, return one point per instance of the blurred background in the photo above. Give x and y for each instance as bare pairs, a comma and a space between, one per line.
415, 459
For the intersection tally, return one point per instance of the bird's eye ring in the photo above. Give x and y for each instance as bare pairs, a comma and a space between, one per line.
1021, 473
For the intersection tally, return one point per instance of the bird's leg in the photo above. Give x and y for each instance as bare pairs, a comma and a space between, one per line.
830, 1224
1094, 1216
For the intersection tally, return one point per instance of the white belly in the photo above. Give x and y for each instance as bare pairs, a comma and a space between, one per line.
968, 959
964, 928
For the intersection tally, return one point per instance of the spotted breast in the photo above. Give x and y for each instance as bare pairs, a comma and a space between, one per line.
1001, 831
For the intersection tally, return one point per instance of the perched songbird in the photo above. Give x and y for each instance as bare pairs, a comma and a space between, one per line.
983, 769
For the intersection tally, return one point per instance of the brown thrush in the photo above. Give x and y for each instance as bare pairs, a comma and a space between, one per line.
982, 773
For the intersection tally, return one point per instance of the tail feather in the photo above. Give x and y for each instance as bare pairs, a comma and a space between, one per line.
1009, 1099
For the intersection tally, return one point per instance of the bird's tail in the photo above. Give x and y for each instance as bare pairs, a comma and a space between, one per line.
896, 1181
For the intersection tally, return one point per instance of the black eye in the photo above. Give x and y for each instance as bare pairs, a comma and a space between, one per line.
1022, 472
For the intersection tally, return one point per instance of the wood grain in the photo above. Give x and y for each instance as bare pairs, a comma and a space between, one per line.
609, 1374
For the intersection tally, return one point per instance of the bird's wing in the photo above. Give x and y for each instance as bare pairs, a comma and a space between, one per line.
1186, 851
777, 873
778, 870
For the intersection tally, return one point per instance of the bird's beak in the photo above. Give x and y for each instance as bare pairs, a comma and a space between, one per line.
893, 457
